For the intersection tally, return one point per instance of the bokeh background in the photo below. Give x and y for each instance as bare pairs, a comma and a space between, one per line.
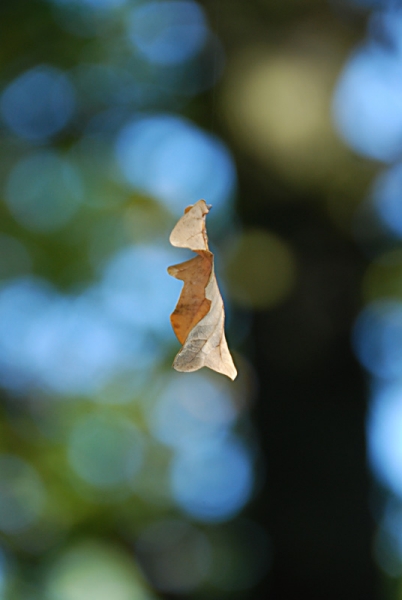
121, 479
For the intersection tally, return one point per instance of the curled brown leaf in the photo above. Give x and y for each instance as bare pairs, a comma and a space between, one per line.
199, 317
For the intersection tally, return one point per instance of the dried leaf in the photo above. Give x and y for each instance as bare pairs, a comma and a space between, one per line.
198, 319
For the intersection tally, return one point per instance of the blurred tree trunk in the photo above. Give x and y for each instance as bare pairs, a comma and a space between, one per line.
311, 408
311, 414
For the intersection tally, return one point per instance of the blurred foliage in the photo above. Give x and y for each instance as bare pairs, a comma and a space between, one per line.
118, 477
